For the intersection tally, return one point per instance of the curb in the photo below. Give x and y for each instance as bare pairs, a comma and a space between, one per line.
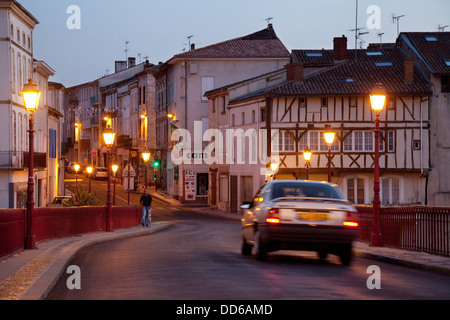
43, 286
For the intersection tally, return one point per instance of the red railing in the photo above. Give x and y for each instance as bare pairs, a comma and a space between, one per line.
425, 229
52, 223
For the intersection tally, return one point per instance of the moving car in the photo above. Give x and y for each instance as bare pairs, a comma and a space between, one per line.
299, 215
100, 173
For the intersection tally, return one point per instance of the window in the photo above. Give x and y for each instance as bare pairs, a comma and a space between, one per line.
263, 114
253, 116
233, 120
390, 191
445, 83
383, 64
374, 53
324, 102
302, 102
390, 141
364, 141
316, 142
243, 117
416, 144
207, 85
391, 103
52, 144
355, 190
314, 54
286, 141
344, 80
447, 62
430, 38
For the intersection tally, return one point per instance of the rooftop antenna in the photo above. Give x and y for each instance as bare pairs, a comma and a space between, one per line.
189, 38
361, 41
139, 55
126, 50
356, 26
268, 20
380, 35
396, 19
442, 28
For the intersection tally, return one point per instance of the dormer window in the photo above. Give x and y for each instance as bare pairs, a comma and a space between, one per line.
383, 64
314, 54
430, 38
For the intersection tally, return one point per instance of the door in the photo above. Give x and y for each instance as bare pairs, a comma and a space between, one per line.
233, 194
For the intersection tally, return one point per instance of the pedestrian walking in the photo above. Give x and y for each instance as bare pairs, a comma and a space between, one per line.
146, 202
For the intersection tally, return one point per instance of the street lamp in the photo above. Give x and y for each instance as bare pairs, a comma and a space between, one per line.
146, 157
377, 102
108, 137
31, 97
89, 171
329, 138
76, 167
307, 154
114, 168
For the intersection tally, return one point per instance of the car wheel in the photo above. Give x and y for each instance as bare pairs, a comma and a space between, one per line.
322, 254
260, 247
246, 249
346, 254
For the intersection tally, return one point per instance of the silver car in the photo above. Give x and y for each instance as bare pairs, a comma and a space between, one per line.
299, 215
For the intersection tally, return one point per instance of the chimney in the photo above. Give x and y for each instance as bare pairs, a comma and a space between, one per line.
270, 26
120, 65
192, 46
409, 71
340, 48
294, 72
131, 62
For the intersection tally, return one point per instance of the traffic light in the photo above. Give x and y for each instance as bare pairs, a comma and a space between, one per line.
156, 163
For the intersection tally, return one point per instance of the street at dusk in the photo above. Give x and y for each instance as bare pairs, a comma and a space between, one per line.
239, 154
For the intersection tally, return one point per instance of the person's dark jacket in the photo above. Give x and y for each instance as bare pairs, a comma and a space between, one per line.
146, 200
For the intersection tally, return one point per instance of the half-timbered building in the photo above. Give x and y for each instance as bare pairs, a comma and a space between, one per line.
330, 88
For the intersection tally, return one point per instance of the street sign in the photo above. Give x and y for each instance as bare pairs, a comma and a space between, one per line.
132, 172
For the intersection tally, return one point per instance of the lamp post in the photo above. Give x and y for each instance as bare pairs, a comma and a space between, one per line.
108, 136
377, 101
31, 97
145, 157
329, 138
307, 154
114, 168
76, 167
89, 171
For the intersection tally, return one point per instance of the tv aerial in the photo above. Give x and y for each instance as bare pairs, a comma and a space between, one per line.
396, 19
442, 28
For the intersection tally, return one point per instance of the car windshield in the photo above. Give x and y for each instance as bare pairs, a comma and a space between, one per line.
305, 190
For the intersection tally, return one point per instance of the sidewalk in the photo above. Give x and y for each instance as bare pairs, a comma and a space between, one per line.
31, 274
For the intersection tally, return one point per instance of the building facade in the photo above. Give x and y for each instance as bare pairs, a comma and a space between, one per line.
17, 66
180, 102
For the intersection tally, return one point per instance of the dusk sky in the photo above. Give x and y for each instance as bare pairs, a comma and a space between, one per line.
159, 29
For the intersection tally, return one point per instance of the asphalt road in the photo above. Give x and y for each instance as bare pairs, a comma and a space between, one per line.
198, 258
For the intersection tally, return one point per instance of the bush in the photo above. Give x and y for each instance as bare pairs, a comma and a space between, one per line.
84, 198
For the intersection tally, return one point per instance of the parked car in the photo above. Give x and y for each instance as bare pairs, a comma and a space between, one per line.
58, 201
71, 167
100, 173
299, 215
